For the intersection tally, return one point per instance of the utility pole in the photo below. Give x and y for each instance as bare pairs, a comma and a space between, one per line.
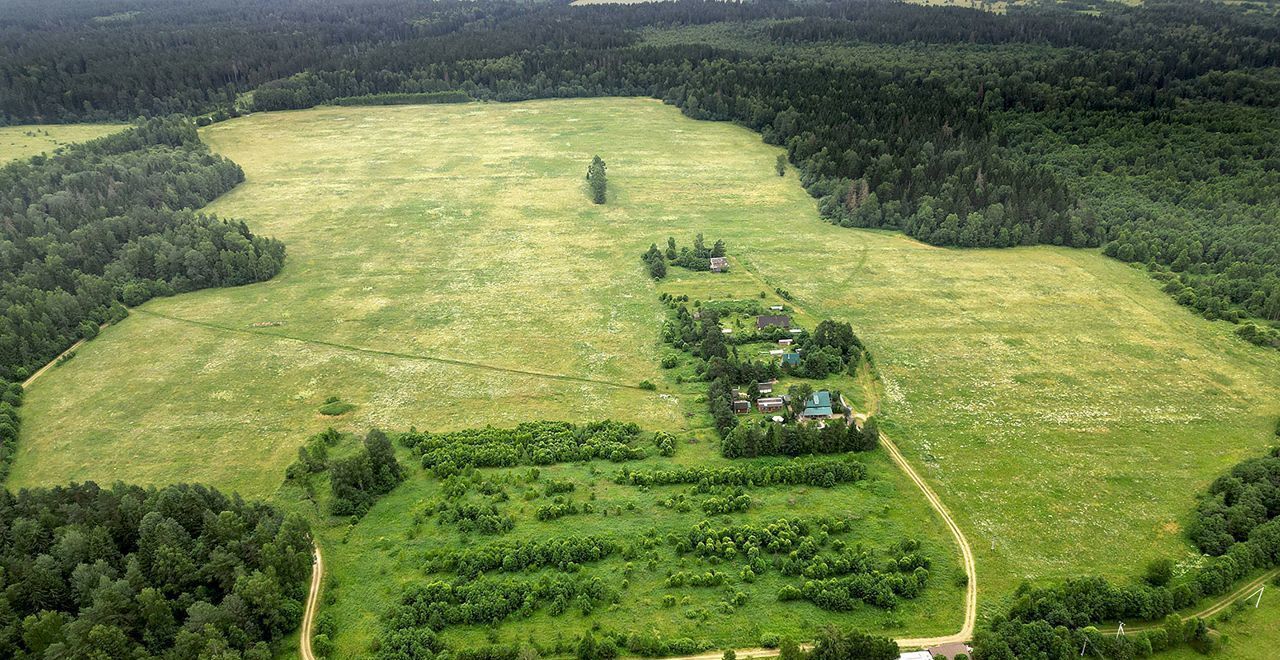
1259, 601
1120, 630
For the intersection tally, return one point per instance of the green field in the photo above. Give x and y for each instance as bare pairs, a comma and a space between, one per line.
1065, 409
18, 142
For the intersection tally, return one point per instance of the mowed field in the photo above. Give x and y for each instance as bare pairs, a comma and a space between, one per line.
1065, 409
17, 142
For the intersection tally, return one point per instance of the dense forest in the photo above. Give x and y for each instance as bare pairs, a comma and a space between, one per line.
1147, 130
127, 572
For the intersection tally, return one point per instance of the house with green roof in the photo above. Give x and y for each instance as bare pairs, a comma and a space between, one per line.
817, 406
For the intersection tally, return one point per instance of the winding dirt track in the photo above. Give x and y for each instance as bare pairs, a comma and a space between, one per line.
1213, 608
966, 555
313, 598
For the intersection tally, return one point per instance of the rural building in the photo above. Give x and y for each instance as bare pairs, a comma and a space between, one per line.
950, 651
916, 655
741, 406
791, 359
817, 406
769, 404
765, 388
784, 342
719, 264
777, 352
727, 331
775, 308
780, 321
796, 331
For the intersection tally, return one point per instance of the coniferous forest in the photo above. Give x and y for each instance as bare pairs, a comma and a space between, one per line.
1148, 131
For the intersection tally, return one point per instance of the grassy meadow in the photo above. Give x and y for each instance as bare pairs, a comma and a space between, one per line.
446, 270
25, 141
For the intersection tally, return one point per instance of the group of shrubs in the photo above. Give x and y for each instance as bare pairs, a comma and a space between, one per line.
530, 443
357, 480
698, 258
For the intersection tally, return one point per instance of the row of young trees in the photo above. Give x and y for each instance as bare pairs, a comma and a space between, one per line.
529, 443
127, 572
812, 473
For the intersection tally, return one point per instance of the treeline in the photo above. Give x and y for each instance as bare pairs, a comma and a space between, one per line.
127, 572
816, 473
106, 223
1237, 523
530, 443
834, 437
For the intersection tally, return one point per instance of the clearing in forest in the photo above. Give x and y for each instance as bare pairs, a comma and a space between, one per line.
446, 269
25, 141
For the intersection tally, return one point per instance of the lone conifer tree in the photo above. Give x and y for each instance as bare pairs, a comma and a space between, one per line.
781, 165
596, 178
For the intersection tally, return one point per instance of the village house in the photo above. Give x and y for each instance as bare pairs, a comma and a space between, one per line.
741, 406
791, 359
769, 404
719, 264
780, 321
765, 387
784, 342
775, 308
817, 406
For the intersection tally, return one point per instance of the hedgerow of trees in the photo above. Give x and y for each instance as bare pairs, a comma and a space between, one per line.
126, 572
530, 443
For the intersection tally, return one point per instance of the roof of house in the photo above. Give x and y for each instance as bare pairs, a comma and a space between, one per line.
742, 404
916, 655
818, 404
791, 358
781, 320
951, 650
719, 262
769, 401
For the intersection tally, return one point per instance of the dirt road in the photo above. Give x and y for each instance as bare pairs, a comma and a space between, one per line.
313, 600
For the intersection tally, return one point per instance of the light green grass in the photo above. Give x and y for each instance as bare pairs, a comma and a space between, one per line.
19, 142
1062, 406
